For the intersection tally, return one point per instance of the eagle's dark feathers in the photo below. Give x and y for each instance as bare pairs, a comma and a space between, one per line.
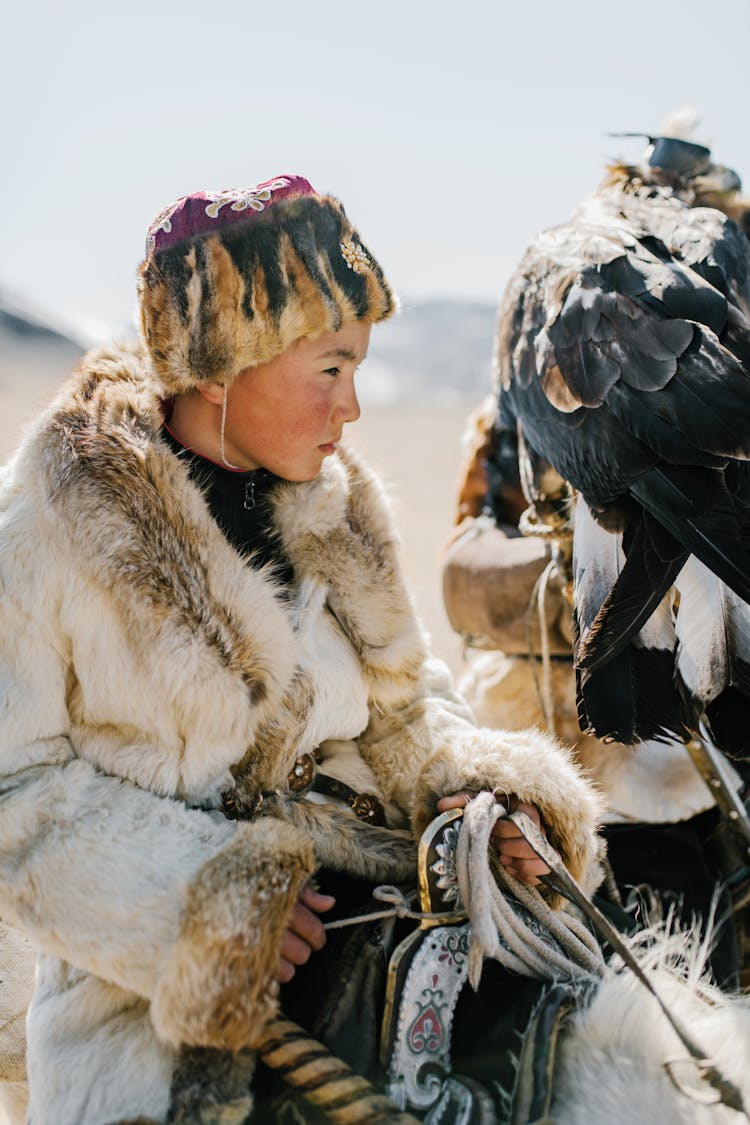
623, 352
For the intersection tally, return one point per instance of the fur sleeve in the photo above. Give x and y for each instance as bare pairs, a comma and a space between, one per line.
430, 748
165, 901
219, 989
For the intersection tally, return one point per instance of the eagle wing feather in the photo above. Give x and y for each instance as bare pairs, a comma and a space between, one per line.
623, 350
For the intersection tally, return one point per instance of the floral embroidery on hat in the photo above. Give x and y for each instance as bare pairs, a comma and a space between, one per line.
161, 222
355, 257
240, 200
186, 218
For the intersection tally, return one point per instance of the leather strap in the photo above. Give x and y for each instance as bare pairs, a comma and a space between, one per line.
365, 806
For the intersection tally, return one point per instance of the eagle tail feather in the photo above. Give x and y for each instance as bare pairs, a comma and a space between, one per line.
654, 558
632, 699
625, 637
713, 655
696, 507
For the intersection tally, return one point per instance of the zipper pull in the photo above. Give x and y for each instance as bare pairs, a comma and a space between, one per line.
249, 502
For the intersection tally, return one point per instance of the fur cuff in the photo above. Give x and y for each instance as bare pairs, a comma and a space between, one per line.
343, 843
220, 988
536, 769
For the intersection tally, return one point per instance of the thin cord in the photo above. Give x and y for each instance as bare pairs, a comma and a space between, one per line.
228, 464
400, 908
548, 702
543, 688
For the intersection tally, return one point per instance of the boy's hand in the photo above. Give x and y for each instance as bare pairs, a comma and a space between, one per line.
304, 933
512, 849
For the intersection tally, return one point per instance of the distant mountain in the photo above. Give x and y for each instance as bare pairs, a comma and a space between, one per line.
433, 351
33, 348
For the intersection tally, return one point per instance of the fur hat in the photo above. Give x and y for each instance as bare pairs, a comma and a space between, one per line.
232, 279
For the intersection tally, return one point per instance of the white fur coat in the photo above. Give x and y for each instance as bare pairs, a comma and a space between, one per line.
145, 669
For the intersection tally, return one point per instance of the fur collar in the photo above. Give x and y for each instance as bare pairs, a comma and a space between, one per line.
142, 527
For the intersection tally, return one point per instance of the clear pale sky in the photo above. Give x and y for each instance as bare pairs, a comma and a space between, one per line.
451, 131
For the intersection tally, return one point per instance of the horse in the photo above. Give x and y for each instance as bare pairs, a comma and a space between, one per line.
600, 1046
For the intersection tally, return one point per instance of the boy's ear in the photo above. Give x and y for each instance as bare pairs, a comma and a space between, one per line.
212, 392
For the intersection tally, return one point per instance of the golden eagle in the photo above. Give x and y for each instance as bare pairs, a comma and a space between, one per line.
623, 358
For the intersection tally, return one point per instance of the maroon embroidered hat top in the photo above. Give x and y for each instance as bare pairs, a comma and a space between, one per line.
204, 212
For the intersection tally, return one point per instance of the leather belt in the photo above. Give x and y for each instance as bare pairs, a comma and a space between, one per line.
303, 778
365, 806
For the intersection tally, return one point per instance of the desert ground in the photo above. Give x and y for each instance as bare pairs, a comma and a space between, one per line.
414, 447
416, 451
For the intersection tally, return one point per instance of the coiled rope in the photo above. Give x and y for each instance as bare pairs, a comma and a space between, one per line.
536, 941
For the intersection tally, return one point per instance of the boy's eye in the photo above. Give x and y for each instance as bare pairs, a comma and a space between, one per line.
332, 370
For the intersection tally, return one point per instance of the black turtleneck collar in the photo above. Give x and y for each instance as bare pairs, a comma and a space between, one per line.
240, 502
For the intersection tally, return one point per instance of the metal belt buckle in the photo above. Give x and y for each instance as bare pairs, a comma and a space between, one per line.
367, 807
240, 806
302, 774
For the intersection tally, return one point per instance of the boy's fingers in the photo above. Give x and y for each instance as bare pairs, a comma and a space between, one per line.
526, 870
313, 899
455, 800
286, 971
307, 926
516, 849
294, 949
531, 811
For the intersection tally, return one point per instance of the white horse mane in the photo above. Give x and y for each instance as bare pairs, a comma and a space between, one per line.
620, 1061
614, 1060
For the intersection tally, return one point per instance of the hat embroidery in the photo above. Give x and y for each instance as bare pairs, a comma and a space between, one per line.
240, 200
355, 257
161, 222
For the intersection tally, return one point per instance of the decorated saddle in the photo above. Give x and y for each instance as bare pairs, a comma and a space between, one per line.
391, 996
